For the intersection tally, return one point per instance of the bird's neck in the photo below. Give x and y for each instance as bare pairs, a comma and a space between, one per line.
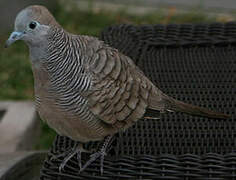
58, 47
63, 51
63, 61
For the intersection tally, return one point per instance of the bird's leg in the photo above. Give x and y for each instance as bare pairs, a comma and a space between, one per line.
77, 149
102, 153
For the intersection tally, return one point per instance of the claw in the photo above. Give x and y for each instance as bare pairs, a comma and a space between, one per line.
54, 157
68, 157
93, 158
77, 149
102, 153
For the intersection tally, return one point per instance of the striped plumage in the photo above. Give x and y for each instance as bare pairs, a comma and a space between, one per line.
66, 86
90, 82
85, 89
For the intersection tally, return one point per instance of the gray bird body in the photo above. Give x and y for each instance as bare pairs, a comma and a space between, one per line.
85, 89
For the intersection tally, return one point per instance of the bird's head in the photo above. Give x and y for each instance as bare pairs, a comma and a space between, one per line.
31, 25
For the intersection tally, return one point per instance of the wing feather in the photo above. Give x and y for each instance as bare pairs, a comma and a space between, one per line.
120, 92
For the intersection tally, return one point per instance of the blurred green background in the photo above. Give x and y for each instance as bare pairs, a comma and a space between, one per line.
16, 80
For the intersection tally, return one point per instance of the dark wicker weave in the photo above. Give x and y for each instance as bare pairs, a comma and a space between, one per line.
193, 63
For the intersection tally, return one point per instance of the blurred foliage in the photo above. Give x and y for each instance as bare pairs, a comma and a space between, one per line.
16, 80
46, 138
15, 73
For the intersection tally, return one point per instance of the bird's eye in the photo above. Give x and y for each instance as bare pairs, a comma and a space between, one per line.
32, 25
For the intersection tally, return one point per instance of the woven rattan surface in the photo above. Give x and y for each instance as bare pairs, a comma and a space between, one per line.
193, 63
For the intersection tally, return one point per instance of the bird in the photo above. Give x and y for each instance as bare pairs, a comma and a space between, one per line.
85, 89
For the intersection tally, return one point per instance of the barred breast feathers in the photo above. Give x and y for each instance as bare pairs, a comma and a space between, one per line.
67, 76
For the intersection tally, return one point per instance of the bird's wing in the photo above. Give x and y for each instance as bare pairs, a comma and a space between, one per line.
120, 90
121, 93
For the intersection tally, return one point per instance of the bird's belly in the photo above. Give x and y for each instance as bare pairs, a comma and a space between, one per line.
71, 126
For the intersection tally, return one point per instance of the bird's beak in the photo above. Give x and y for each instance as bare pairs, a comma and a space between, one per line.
13, 38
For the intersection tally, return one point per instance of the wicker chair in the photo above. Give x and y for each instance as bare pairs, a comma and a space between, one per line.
193, 63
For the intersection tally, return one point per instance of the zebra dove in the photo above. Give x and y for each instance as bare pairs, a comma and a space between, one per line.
85, 89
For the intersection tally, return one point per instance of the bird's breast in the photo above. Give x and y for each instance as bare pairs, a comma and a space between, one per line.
65, 109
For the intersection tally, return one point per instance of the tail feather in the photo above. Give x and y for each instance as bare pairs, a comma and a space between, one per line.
179, 106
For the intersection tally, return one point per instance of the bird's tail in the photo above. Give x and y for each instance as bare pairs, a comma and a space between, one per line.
172, 104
